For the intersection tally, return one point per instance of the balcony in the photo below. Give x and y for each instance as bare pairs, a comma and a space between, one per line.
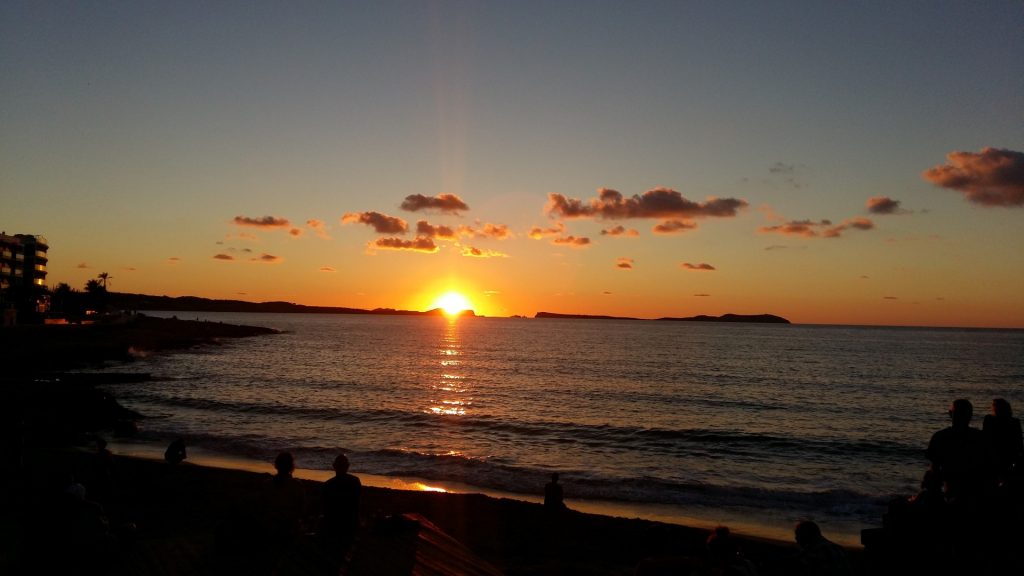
40, 255
40, 268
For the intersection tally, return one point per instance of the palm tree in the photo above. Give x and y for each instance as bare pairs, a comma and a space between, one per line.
103, 277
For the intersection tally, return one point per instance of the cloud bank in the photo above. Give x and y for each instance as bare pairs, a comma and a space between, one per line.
381, 223
482, 253
419, 244
538, 233
572, 241
619, 231
823, 228
263, 222
992, 177
673, 227
447, 203
661, 203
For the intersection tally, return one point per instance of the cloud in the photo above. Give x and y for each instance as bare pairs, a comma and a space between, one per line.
776, 247
890, 298
992, 177
657, 203
424, 228
702, 295
447, 203
419, 244
225, 257
482, 253
619, 231
538, 233
83, 266
572, 241
129, 269
624, 263
884, 205
173, 260
381, 223
264, 222
267, 258
823, 228
296, 232
327, 269
496, 231
782, 168
700, 267
319, 227
673, 227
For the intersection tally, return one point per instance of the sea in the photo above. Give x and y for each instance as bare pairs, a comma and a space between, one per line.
753, 426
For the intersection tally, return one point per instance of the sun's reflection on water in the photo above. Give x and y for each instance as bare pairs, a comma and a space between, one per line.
452, 389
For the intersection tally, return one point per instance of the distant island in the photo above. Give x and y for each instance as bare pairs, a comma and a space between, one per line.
126, 301
752, 318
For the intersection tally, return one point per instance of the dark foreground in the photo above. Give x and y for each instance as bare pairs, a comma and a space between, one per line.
187, 519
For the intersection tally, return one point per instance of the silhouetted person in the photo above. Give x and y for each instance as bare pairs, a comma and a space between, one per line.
723, 558
284, 506
341, 508
553, 496
819, 556
1003, 434
959, 456
175, 453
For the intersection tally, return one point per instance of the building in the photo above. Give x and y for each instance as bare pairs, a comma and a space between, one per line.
23, 274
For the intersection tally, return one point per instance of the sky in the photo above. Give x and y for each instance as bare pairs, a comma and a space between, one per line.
829, 162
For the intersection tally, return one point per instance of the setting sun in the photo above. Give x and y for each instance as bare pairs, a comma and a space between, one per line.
452, 303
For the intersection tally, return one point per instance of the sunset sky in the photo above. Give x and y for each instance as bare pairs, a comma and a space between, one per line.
830, 162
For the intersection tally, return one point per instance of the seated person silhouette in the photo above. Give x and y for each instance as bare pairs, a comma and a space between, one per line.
341, 506
1003, 435
819, 555
553, 495
959, 456
175, 453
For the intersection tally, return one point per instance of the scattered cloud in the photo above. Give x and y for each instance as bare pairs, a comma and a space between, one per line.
538, 233
319, 227
447, 203
607, 293
496, 231
865, 277
702, 295
296, 232
673, 227
173, 260
822, 228
267, 258
624, 263
482, 253
418, 244
327, 269
263, 222
776, 247
619, 231
700, 267
381, 223
83, 266
424, 228
129, 269
225, 257
884, 205
572, 241
890, 298
992, 177
782, 168
657, 203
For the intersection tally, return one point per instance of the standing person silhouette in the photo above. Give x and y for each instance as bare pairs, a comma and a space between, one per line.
553, 494
1003, 435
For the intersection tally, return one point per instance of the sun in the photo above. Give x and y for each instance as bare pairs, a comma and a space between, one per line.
452, 303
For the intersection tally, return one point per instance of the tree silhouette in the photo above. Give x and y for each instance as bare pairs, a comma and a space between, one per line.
103, 277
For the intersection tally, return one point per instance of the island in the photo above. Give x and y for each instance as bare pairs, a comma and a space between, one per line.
753, 318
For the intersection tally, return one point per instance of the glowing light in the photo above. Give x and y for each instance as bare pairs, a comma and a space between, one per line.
452, 303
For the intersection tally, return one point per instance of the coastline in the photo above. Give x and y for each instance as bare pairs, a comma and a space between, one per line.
189, 503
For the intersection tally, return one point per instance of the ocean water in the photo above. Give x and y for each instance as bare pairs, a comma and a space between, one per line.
754, 426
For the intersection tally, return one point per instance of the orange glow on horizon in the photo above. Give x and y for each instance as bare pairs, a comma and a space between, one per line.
452, 303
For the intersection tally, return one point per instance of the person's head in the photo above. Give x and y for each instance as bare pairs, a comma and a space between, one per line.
720, 544
961, 411
1001, 408
284, 464
341, 464
807, 533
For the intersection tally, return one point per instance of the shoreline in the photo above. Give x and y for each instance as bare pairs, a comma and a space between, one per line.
742, 524
189, 504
